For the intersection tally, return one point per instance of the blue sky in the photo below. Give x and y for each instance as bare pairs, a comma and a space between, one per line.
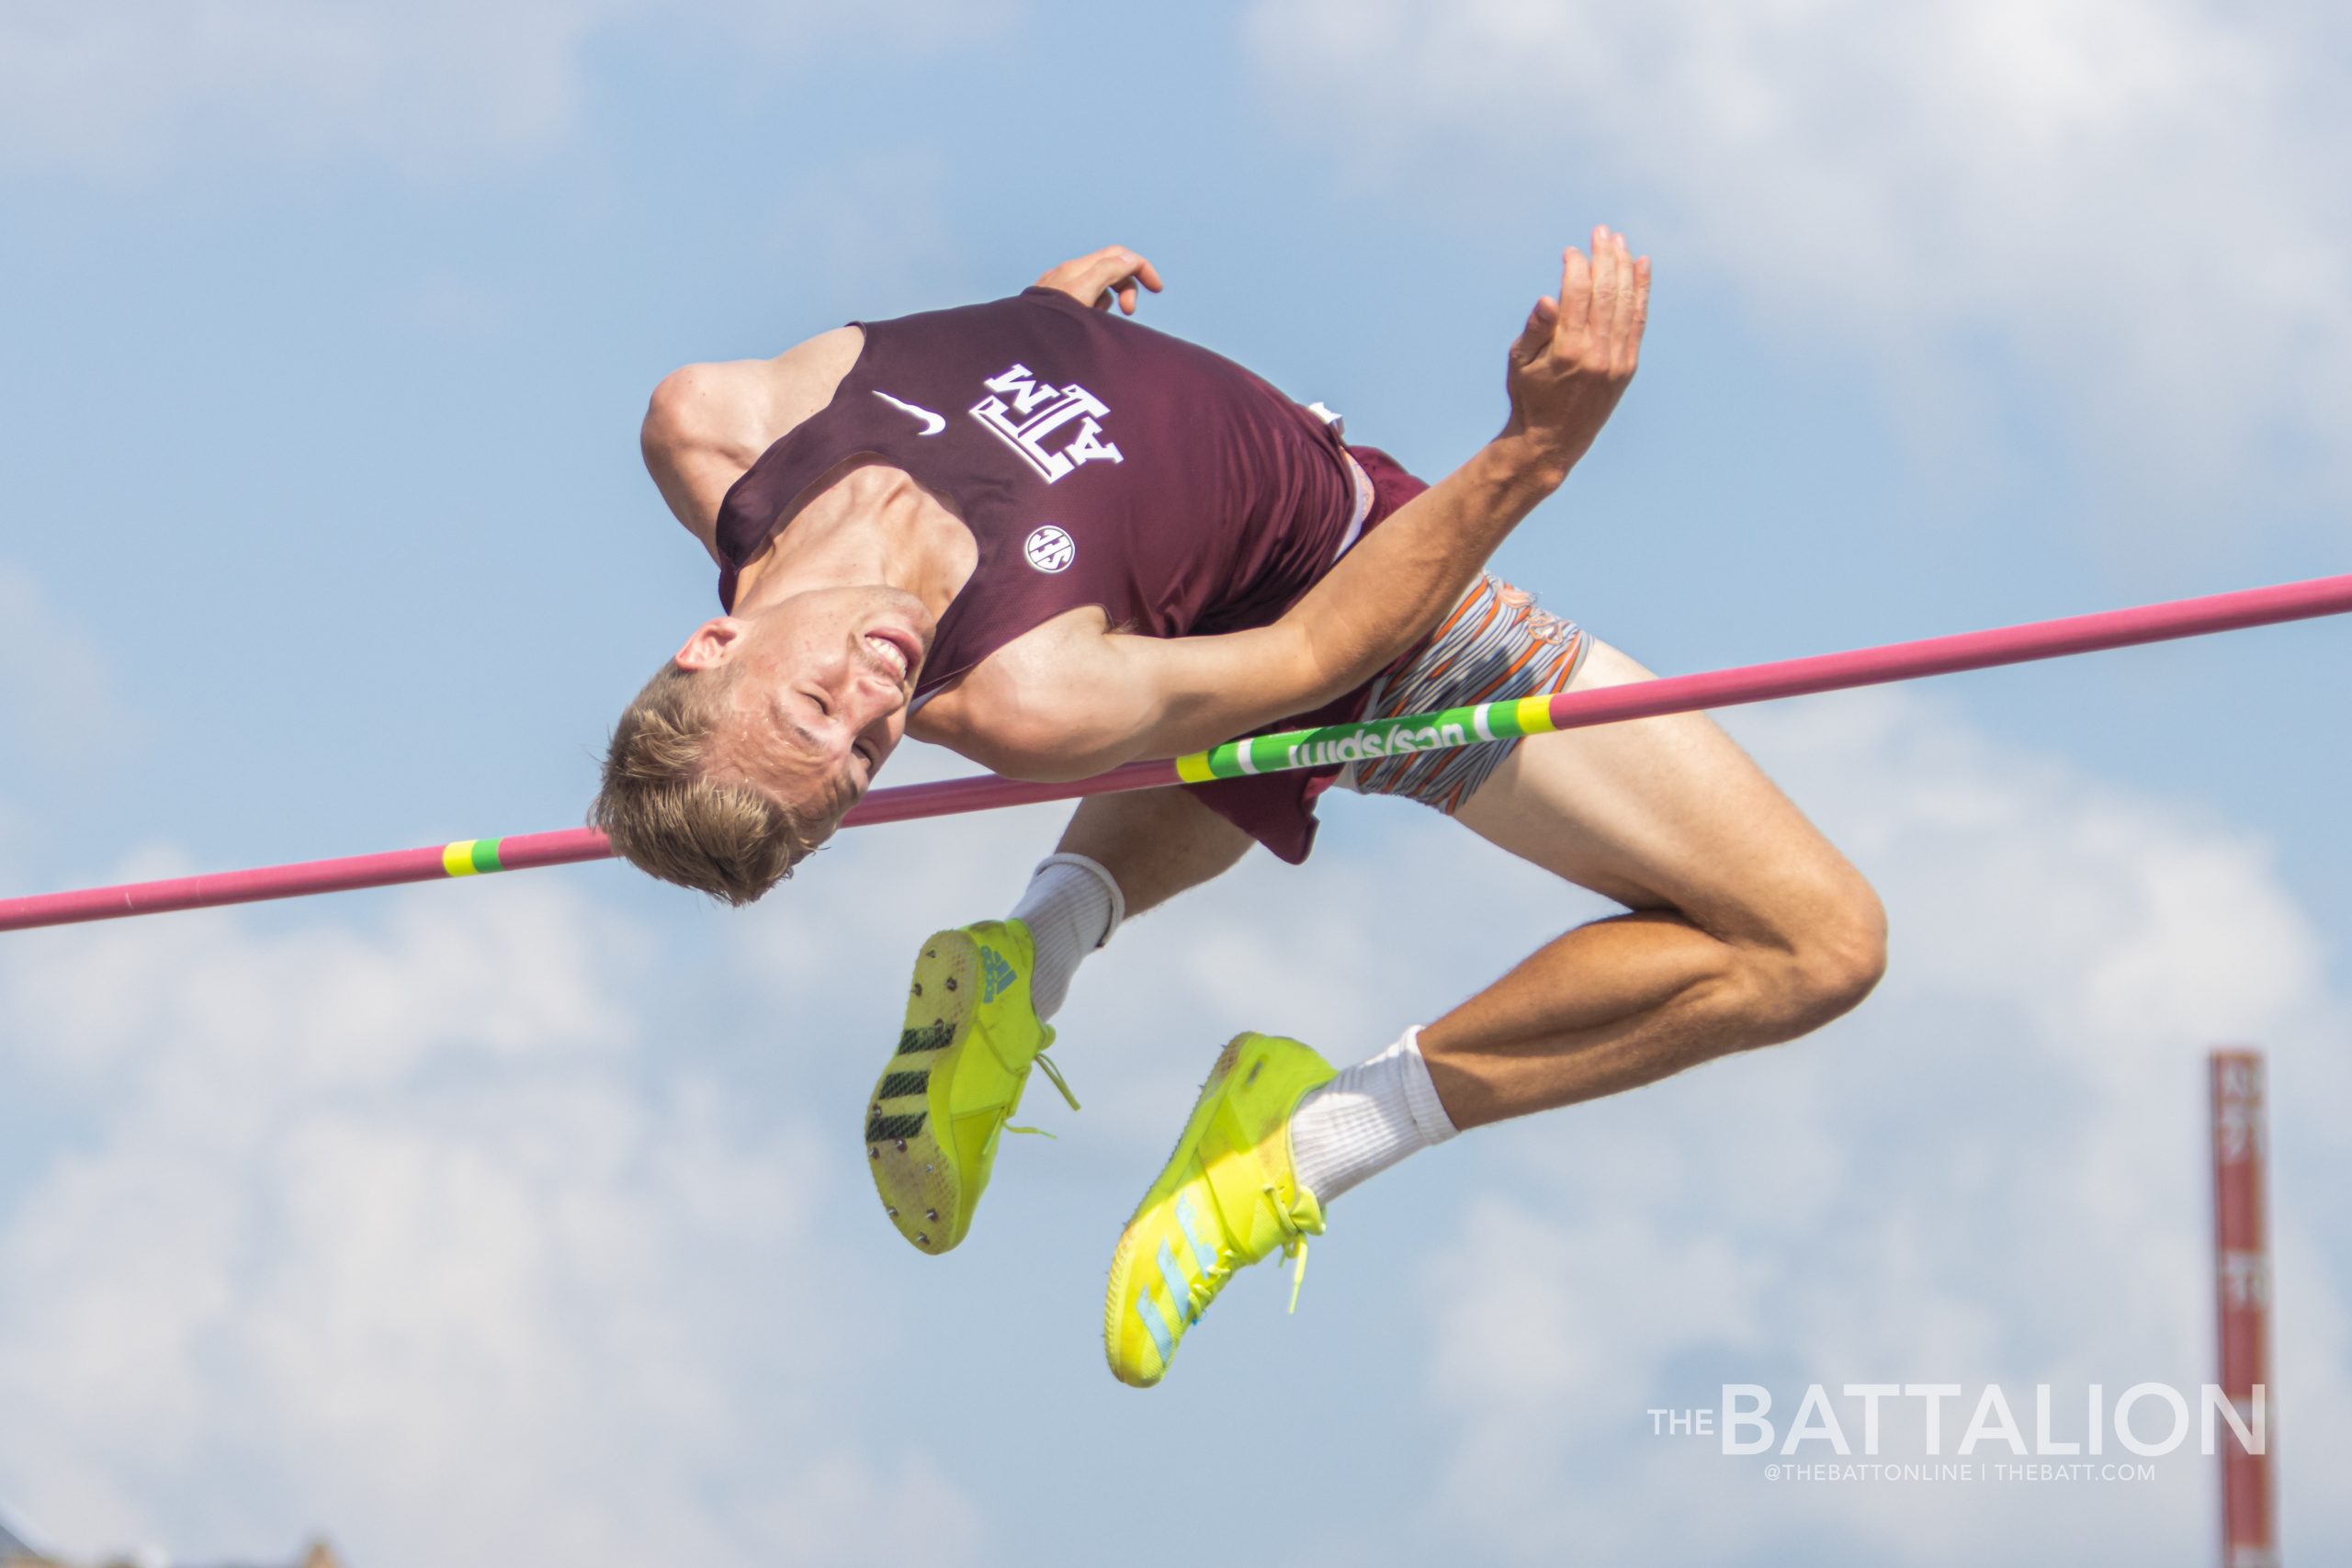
522, 1216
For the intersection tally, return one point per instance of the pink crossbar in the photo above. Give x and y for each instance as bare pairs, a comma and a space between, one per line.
1677, 693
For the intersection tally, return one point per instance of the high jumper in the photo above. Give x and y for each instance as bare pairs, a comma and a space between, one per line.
1056, 542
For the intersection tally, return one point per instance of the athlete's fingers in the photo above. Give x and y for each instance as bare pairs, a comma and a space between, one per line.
1119, 270
1620, 300
1139, 271
1641, 315
1575, 300
1597, 313
1071, 272
1620, 324
1091, 276
1107, 276
1604, 289
1536, 336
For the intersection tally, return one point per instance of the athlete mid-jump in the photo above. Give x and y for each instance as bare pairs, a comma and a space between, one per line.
1056, 541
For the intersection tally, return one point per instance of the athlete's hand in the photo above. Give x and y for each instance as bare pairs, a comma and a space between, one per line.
1579, 353
1095, 279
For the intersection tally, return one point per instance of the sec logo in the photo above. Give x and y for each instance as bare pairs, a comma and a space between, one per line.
1050, 549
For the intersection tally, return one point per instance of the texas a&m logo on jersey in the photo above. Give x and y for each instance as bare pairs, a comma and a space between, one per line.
1054, 428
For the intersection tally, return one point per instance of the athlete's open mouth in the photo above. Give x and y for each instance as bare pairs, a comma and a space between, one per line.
896, 651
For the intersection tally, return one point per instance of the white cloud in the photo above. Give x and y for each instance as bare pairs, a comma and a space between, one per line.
1994, 1171
379, 1230
438, 85
2122, 201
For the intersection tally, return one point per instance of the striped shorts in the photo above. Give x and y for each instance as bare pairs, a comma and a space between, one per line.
1496, 646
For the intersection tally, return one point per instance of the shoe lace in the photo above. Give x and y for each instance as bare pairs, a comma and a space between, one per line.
1294, 1242
1053, 1075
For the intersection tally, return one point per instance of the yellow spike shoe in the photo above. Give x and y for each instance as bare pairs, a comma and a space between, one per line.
1228, 1198
971, 1035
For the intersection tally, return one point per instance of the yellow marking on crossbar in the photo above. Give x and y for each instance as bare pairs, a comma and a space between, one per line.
1534, 716
1194, 769
458, 859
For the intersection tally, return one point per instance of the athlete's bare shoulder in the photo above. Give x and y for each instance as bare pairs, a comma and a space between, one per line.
707, 423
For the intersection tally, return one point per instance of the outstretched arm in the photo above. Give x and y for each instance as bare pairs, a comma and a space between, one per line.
1119, 697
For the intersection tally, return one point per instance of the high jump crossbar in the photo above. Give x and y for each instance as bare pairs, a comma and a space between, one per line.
1271, 753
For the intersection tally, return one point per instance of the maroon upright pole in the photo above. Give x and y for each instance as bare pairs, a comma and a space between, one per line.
2242, 1289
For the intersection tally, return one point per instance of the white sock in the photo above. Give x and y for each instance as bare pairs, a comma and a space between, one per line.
1367, 1118
1071, 908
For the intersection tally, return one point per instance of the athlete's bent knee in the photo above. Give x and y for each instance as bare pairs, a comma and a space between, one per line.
1817, 968
1840, 959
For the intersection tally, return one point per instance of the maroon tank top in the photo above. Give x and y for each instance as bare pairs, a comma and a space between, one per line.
1097, 462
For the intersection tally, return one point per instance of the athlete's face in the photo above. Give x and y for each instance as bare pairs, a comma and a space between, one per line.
821, 684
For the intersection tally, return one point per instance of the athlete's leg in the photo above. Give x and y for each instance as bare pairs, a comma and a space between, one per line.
1157, 842
1120, 855
1746, 926
977, 1004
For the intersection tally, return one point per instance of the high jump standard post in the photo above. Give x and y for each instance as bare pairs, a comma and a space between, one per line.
2242, 1292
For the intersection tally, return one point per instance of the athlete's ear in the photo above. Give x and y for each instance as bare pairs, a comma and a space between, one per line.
713, 641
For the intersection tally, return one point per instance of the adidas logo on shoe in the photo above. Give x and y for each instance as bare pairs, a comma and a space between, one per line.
995, 973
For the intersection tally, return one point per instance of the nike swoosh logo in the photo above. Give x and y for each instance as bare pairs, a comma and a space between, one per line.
931, 424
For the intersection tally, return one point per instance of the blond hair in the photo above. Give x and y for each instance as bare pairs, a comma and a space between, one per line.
665, 813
